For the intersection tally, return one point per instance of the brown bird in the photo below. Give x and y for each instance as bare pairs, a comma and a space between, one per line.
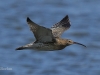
49, 39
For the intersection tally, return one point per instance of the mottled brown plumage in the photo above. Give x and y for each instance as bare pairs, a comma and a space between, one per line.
49, 39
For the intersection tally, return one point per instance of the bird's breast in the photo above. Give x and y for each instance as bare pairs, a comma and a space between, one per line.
47, 47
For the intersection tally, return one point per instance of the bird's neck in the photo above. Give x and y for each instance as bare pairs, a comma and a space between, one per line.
61, 41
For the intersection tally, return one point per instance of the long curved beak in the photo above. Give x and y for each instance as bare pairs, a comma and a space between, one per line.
79, 44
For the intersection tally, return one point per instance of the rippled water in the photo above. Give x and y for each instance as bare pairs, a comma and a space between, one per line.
73, 60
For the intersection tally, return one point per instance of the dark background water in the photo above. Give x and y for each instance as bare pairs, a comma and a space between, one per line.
73, 60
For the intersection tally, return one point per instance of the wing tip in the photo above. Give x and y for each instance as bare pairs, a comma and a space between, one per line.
28, 19
65, 18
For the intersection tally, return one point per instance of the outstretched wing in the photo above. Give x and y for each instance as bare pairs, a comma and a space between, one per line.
41, 33
61, 26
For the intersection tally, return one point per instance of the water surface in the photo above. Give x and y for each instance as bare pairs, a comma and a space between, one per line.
73, 60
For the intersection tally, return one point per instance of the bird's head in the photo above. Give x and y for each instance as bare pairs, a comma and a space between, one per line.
70, 42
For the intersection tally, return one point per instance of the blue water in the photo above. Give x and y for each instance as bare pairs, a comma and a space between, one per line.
73, 60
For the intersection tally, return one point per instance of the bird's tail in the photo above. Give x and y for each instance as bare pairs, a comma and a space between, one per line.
28, 46
21, 48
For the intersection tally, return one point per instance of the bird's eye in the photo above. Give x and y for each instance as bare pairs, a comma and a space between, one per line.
69, 41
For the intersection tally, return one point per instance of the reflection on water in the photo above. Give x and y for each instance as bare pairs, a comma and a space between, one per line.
73, 60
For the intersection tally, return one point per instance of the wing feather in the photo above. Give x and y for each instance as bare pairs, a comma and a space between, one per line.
61, 26
41, 33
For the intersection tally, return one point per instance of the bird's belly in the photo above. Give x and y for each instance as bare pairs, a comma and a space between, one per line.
45, 47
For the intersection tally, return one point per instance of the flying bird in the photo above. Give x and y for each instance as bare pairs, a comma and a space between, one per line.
49, 39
